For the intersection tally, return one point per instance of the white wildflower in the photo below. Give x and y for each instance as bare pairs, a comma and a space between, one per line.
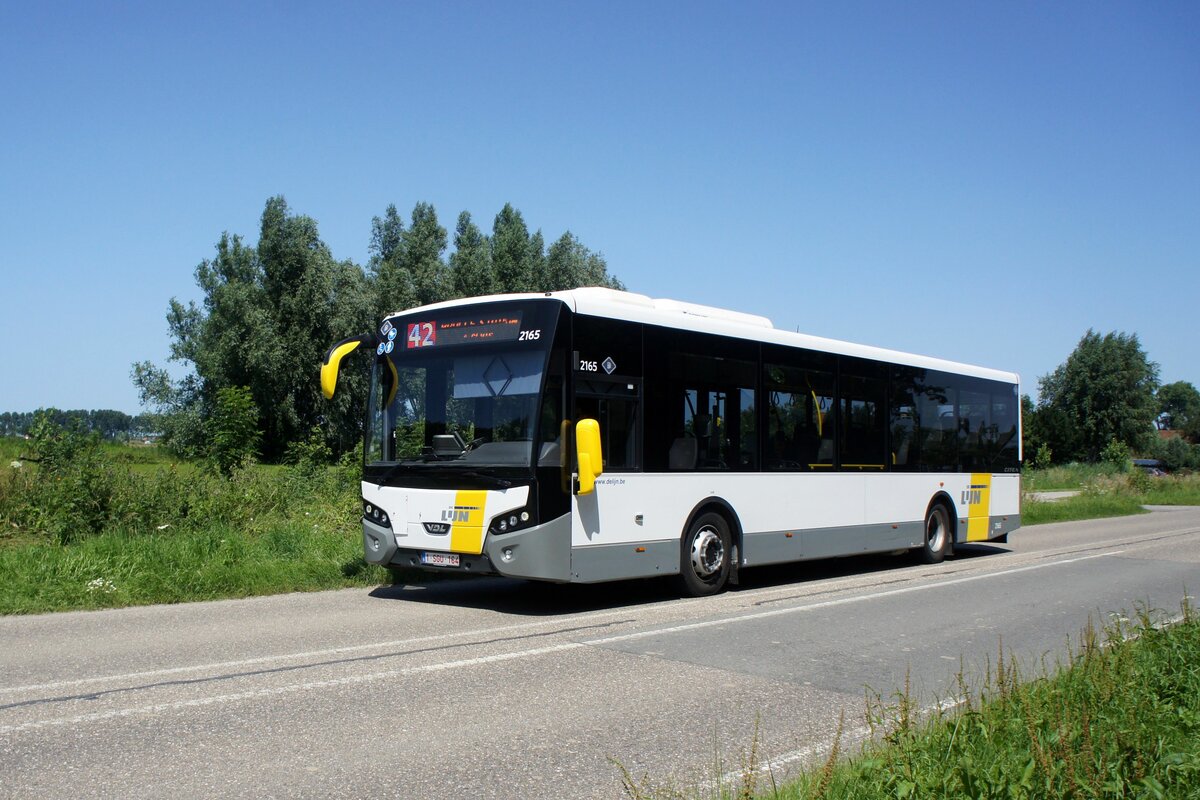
101, 585
16, 465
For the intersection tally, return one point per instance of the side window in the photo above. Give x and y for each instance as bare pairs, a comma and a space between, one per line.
712, 406
615, 406
800, 418
976, 435
937, 424
1003, 449
904, 421
861, 423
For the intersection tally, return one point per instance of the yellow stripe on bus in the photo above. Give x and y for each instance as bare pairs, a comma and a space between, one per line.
979, 503
467, 537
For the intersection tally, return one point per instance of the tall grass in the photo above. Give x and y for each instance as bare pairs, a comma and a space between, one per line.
80, 529
119, 569
1065, 477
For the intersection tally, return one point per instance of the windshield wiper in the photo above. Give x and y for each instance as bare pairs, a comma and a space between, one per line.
500, 483
423, 463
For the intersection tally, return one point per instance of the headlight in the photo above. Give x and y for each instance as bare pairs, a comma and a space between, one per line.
511, 521
376, 514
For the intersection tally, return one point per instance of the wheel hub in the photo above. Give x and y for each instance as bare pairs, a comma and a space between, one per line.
708, 553
937, 533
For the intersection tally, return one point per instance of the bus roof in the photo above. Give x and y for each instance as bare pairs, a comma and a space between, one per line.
615, 304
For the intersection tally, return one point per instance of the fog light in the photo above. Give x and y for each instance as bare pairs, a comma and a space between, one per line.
507, 554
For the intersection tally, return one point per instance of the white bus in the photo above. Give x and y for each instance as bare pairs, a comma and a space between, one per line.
597, 435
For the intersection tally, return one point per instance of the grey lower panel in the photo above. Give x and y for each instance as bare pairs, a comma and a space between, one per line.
379, 544
542, 553
1003, 526
997, 527
612, 562
776, 547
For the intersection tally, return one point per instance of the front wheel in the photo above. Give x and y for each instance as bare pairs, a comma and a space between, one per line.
937, 535
704, 558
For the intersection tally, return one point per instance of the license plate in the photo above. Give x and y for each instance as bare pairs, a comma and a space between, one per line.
440, 559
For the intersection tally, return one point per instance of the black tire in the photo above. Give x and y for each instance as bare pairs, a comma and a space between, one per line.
704, 556
937, 535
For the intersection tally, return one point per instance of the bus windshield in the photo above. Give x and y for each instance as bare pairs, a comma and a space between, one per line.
457, 405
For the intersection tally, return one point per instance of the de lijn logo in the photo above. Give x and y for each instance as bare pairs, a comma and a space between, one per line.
386, 347
458, 513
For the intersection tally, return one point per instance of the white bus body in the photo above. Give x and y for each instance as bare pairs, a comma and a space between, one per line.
727, 443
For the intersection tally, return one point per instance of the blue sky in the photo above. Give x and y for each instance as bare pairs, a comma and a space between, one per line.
980, 182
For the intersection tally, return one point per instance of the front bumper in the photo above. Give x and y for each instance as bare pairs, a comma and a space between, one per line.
542, 552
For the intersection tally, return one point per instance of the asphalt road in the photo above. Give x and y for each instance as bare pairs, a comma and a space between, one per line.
495, 688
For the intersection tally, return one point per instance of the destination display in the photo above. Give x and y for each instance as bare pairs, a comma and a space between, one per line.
472, 330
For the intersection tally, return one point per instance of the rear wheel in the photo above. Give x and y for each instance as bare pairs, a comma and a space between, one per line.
937, 535
704, 557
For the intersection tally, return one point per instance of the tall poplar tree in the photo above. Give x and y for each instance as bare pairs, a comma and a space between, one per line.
424, 243
391, 283
511, 251
471, 261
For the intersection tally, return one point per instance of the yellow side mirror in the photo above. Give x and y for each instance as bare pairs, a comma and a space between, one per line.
333, 360
587, 450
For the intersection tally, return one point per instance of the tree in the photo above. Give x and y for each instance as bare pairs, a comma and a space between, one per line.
424, 243
537, 262
1104, 392
471, 263
391, 282
177, 408
569, 265
1179, 409
268, 315
511, 251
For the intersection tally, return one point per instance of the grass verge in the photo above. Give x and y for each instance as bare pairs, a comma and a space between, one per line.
1110, 494
120, 569
1038, 512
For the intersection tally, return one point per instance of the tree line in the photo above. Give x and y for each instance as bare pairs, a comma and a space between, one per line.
269, 312
105, 423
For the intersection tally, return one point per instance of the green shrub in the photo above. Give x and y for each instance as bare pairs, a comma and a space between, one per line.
1176, 454
1117, 454
312, 453
1043, 458
235, 430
